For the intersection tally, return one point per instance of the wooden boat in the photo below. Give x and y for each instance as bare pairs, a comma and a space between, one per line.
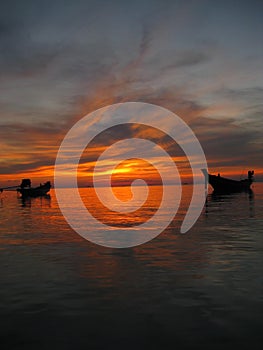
224, 185
27, 191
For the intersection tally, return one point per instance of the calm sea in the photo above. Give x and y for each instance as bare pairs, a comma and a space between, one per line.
203, 288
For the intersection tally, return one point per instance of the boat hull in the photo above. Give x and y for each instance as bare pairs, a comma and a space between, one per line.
223, 185
42, 190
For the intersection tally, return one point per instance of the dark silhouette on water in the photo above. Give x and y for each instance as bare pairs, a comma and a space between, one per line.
26, 190
224, 185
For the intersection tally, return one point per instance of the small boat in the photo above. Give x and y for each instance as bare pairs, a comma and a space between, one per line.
27, 191
224, 185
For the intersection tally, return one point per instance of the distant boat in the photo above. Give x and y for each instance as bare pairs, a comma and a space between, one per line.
27, 191
224, 185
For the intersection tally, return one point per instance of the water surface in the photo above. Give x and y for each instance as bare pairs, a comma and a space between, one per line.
203, 288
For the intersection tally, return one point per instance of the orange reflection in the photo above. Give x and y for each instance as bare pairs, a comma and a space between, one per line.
123, 175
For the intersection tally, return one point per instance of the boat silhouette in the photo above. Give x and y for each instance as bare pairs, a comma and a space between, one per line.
26, 190
224, 185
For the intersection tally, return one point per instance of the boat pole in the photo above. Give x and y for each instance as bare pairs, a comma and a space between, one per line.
7, 188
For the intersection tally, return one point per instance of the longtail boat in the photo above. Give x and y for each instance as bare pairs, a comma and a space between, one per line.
26, 190
224, 185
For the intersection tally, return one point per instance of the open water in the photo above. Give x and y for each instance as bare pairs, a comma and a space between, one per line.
199, 289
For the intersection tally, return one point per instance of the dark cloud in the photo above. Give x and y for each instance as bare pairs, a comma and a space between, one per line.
249, 94
190, 58
227, 144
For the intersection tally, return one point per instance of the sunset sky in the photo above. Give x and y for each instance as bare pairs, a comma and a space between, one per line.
60, 60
